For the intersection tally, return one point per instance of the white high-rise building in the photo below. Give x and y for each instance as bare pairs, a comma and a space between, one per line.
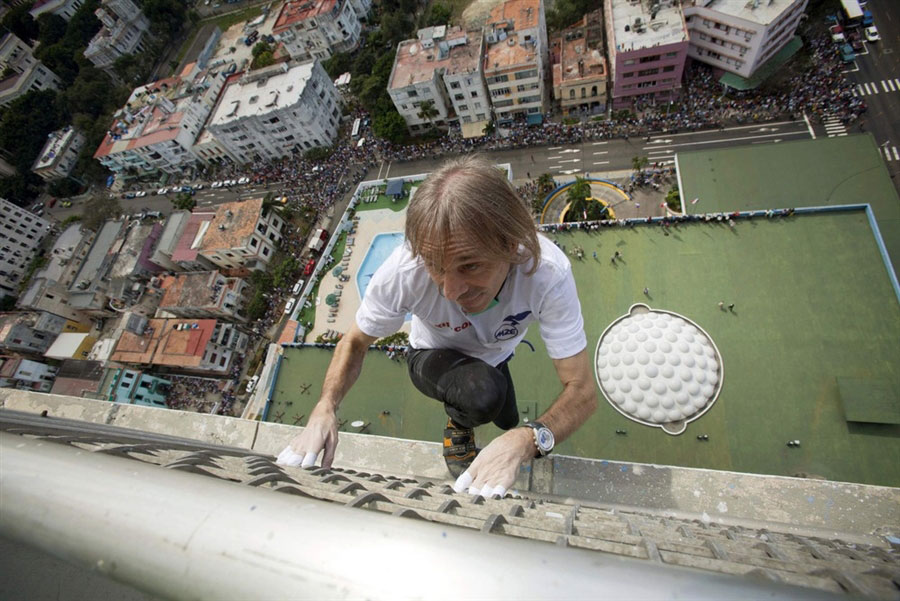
320, 28
739, 36
59, 154
124, 26
274, 111
21, 233
64, 8
26, 72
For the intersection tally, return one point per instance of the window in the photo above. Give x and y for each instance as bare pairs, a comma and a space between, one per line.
571, 94
627, 75
459, 97
474, 94
649, 59
629, 62
668, 69
454, 85
412, 94
265, 251
464, 107
646, 72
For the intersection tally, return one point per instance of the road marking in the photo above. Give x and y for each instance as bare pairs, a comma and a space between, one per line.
570, 150
554, 158
790, 133
571, 161
891, 85
884, 85
555, 148
712, 131
599, 143
809, 126
875, 89
601, 162
602, 152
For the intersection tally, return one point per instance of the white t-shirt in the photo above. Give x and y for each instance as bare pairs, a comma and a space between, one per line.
402, 285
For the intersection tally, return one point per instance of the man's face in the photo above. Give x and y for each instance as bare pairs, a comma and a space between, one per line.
467, 277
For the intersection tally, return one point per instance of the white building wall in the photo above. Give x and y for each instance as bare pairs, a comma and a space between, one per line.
408, 99
21, 233
739, 45
321, 36
64, 8
274, 132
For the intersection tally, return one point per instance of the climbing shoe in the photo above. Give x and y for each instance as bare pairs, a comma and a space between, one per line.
459, 448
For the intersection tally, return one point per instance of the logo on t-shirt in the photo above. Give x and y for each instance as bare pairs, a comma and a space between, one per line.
508, 329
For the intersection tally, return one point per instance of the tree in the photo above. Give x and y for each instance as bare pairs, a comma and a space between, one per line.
545, 184
19, 21
673, 199
428, 111
98, 209
25, 125
579, 190
390, 126
51, 28
184, 202
638, 163
338, 64
437, 14
581, 206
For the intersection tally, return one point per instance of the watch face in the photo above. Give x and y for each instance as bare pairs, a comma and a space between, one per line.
545, 439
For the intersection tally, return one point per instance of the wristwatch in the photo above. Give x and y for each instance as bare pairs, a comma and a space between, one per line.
543, 438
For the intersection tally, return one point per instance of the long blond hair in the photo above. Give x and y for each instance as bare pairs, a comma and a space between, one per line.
471, 198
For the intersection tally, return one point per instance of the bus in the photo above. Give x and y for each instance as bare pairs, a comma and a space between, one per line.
854, 14
357, 124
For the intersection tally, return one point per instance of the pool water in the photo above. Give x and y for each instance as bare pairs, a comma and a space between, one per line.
381, 248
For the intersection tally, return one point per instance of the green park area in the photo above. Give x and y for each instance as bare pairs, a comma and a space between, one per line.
814, 330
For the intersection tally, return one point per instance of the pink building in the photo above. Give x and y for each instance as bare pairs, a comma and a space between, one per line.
648, 44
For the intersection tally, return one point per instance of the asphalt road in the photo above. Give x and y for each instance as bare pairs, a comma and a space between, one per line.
877, 75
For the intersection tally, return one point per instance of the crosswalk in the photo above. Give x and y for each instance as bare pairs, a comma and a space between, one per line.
834, 127
885, 86
890, 153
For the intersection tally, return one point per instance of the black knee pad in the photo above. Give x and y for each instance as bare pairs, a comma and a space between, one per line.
478, 392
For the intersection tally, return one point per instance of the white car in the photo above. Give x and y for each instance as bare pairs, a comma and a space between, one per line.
289, 305
872, 34
216, 185
244, 180
230, 182
199, 187
297, 287
162, 191
252, 383
140, 194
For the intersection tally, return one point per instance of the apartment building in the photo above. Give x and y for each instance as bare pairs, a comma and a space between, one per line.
739, 36
648, 45
316, 29
190, 345
580, 76
157, 127
63, 8
32, 332
25, 374
133, 266
134, 387
440, 68
202, 295
48, 289
516, 60
26, 73
270, 113
124, 27
22, 233
59, 154
89, 291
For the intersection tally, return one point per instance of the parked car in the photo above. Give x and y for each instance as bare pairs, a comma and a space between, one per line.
297, 287
66, 204
140, 194
162, 191
872, 34
51, 203
847, 53
289, 305
244, 180
199, 187
216, 184
252, 383
128, 195
37, 207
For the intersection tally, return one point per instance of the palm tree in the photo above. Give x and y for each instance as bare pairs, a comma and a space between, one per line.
638, 163
428, 111
545, 183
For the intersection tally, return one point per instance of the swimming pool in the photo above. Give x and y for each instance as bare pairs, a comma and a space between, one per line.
380, 249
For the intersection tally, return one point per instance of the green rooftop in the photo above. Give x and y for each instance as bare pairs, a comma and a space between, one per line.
825, 172
814, 313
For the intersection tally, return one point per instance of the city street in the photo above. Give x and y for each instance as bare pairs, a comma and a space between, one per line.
877, 75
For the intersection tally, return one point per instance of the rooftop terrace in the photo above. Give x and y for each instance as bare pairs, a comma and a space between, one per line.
638, 25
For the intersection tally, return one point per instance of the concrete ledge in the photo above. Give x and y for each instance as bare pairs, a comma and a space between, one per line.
810, 507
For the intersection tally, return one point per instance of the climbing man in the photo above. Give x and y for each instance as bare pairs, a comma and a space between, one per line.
474, 274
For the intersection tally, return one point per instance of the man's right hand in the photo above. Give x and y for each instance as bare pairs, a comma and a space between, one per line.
321, 432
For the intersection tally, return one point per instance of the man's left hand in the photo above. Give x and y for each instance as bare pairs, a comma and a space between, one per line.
495, 468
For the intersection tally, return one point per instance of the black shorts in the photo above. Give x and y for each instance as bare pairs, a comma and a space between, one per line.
473, 392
